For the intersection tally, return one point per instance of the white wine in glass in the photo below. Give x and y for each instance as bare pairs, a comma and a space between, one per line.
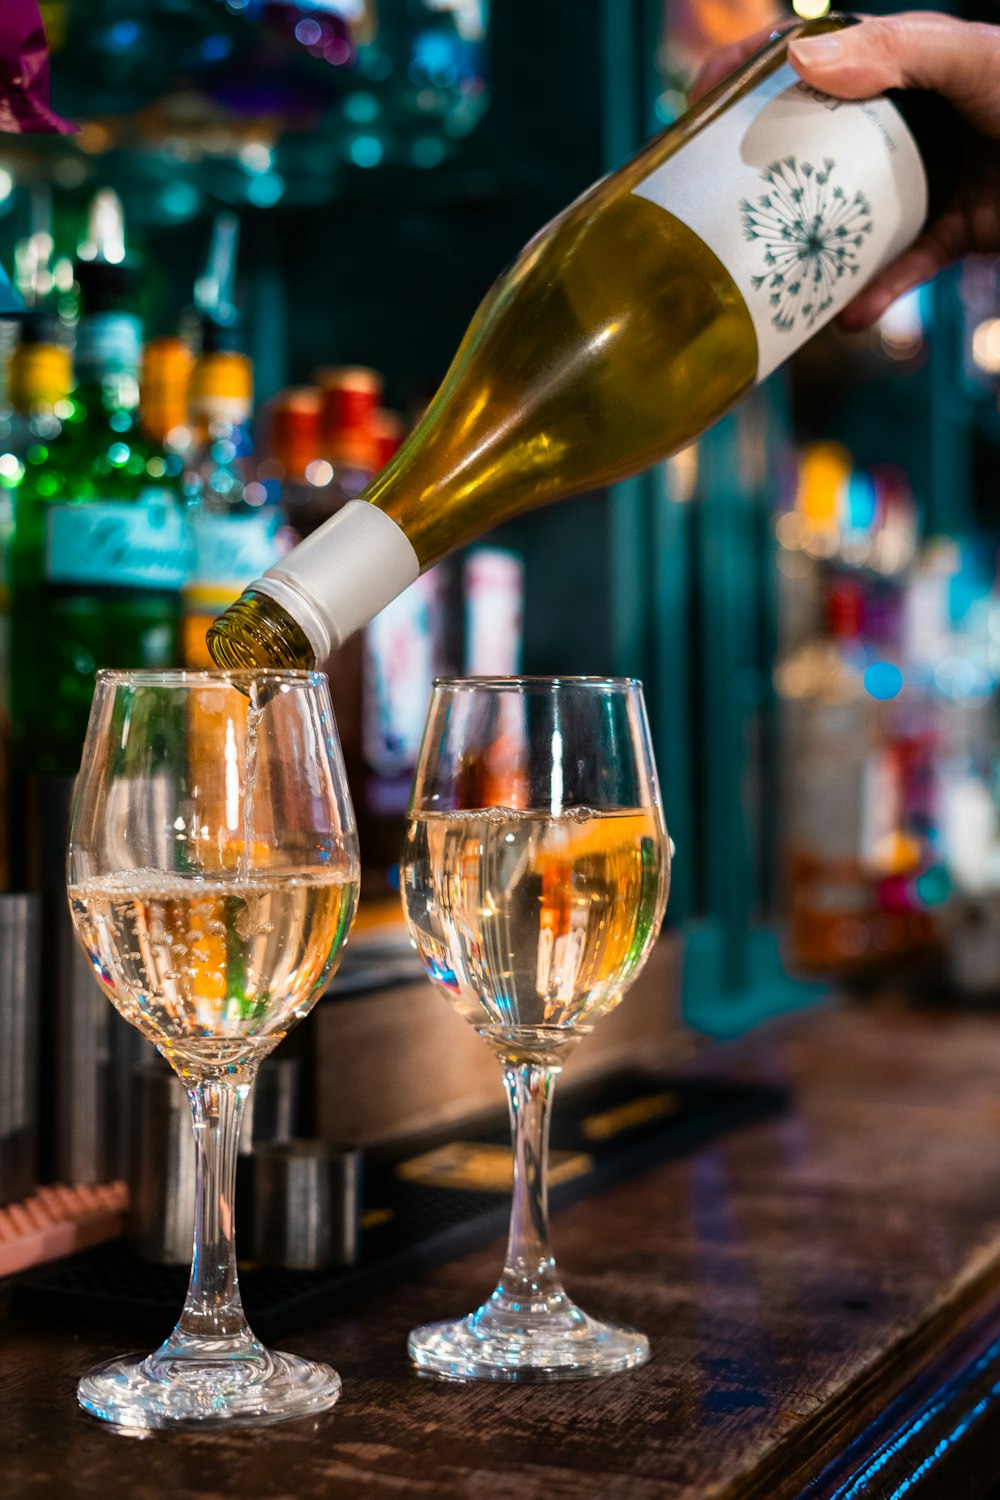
212, 879
535, 876
213, 967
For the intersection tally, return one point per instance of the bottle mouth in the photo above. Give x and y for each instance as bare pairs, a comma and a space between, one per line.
233, 649
255, 634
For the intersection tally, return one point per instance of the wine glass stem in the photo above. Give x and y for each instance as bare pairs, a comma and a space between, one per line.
212, 1307
529, 1274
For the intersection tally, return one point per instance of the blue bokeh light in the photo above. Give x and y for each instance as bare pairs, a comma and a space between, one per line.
861, 501
265, 190
180, 200
215, 48
366, 151
122, 35
933, 886
883, 680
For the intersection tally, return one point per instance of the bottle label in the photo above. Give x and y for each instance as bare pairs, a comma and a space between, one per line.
229, 553
139, 544
109, 341
801, 196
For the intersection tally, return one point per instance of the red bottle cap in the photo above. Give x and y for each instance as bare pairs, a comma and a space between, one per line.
295, 429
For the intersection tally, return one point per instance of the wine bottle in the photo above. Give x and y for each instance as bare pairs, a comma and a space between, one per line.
627, 326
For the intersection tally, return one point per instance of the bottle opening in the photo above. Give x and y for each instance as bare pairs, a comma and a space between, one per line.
256, 632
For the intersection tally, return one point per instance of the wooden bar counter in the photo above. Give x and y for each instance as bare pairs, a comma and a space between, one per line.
821, 1290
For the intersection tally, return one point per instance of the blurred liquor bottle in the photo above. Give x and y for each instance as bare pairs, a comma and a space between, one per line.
39, 378
848, 765
349, 406
328, 442
294, 463
325, 444
166, 375
105, 536
235, 526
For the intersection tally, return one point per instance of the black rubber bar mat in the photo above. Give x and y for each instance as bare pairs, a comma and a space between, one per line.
421, 1210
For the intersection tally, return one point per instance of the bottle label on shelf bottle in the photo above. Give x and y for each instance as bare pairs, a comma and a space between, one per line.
109, 342
139, 544
229, 552
801, 196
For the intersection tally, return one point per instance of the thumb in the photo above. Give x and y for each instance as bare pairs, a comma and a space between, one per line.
916, 49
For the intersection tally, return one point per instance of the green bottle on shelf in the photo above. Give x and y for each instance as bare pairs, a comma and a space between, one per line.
39, 378
99, 552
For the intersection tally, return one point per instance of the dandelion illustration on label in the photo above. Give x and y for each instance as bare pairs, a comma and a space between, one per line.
811, 231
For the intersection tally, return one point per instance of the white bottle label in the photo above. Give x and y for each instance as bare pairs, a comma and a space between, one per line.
802, 197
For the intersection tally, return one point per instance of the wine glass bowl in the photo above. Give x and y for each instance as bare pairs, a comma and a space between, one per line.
535, 875
212, 880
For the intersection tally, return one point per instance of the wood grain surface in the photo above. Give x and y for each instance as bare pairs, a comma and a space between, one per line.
792, 1277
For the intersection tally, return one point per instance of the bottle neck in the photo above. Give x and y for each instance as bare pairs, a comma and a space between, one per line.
222, 445
374, 561
108, 351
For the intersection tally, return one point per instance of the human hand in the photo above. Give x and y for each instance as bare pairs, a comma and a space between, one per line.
959, 60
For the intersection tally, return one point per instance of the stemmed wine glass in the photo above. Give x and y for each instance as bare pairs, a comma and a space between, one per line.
535, 875
213, 877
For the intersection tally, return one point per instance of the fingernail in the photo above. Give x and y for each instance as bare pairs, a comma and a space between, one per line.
817, 51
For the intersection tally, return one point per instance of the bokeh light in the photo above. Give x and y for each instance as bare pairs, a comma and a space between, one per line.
986, 346
883, 680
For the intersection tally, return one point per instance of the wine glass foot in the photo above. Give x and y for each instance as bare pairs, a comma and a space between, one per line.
476, 1348
137, 1395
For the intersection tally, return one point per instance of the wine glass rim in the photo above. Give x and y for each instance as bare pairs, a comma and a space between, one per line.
188, 677
533, 682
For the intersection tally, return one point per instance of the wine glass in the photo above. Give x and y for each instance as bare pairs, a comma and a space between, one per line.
213, 877
534, 875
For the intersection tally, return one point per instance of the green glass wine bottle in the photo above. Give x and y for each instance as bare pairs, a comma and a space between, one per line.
626, 327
